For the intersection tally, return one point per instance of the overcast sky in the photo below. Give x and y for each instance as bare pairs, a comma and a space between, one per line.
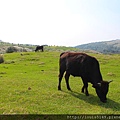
59, 22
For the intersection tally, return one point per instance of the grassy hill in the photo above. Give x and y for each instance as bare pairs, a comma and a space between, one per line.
29, 86
102, 47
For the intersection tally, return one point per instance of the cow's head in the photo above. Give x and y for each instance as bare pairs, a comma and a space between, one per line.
102, 90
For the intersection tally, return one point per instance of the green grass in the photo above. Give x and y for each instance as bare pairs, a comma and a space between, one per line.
29, 86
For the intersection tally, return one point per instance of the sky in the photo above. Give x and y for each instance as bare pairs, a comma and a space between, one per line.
59, 22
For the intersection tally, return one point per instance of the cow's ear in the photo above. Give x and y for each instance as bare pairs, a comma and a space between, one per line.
99, 84
110, 81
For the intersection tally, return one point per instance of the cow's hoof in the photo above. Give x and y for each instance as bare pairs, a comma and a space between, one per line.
82, 91
69, 89
59, 88
104, 101
87, 94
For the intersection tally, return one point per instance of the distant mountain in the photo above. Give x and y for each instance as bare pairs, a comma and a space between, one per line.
105, 47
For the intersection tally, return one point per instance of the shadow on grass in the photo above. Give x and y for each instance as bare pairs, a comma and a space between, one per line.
94, 100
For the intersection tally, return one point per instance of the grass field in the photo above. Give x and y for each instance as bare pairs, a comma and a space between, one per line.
28, 85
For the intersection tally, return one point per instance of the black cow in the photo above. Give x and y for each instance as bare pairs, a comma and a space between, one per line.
39, 48
86, 67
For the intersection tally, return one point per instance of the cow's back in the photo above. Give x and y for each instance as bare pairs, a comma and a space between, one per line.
72, 62
80, 64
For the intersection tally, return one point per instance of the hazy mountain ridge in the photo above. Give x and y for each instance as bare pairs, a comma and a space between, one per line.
105, 47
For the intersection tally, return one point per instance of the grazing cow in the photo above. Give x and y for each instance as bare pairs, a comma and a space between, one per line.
39, 48
86, 67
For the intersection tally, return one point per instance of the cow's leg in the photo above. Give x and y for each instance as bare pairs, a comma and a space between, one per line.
67, 75
60, 79
86, 90
85, 87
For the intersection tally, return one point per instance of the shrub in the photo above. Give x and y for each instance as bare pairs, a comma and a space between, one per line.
12, 49
1, 59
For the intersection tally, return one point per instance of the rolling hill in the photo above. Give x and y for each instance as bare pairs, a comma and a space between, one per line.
6, 47
106, 47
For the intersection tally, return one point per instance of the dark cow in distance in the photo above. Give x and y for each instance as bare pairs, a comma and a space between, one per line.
39, 48
86, 67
